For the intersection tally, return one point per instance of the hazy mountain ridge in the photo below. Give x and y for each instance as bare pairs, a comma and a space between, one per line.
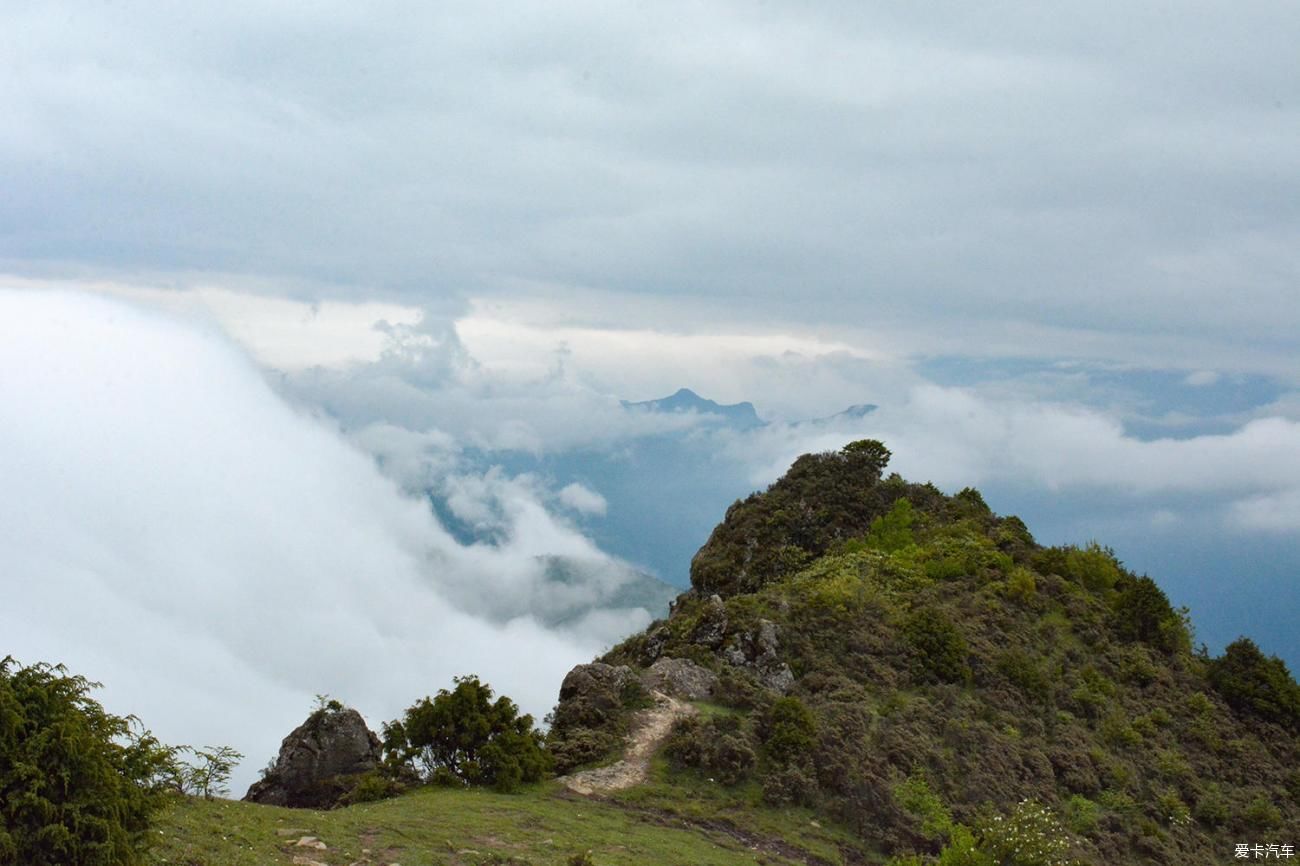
741, 416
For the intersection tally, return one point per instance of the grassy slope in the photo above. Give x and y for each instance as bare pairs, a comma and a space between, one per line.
544, 825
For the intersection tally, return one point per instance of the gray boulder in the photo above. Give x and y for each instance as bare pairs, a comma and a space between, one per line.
681, 678
597, 687
320, 761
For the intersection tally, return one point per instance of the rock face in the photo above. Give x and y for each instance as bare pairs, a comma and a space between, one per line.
681, 678
712, 627
597, 686
758, 651
319, 761
591, 718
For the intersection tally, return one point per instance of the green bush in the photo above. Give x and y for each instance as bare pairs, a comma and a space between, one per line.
1082, 814
1143, 613
939, 649
715, 746
789, 731
915, 797
1212, 807
1252, 682
790, 784
1262, 814
77, 784
1093, 566
1024, 671
372, 787
892, 531
464, 734
962, 850
1021, 584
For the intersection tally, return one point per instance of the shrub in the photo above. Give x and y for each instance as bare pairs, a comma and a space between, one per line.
1143, 613
792, 783
1021, 584
1252, 682
1030, 836
915, 797
372, 787
1262, 814
209, 774
892, 531
1172, 809
1093, 566
939, 648
962, 850
715, 746
79, 784
1082, 814
1212, 807
789, 731
464, 734
1024, 672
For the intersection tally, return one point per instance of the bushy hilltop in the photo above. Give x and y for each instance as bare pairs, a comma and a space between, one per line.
919, 669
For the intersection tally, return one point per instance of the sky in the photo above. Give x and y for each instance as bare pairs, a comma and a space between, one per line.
401, 263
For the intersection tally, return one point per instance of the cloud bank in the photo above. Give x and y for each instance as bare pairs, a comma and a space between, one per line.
170, 526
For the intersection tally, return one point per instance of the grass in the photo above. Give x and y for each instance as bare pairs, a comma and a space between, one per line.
543, 825
691, 797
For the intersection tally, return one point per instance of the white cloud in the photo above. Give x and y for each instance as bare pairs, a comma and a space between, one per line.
582, 499
957, 437
168, 525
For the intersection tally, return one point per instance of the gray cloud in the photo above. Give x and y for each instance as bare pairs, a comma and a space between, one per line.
1115, 169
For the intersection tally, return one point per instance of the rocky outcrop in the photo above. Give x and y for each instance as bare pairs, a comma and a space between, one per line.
712, 626
681, 678
597, 686
320, 761
757, 651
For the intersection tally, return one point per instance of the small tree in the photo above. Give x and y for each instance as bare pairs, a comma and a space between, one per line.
1255, 683
77, 784
463, 736
209, 775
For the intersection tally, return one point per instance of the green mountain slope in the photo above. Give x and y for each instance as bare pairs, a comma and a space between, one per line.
918, 670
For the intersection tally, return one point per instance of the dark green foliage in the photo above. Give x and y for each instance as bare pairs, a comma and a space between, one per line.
464, 735
77, 784
1143, 613
791, 784
789, 731
939, 648
823, 500
1026, 673
372, 787
1254, 683
717, 747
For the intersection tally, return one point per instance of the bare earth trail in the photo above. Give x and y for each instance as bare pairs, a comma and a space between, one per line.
650, 727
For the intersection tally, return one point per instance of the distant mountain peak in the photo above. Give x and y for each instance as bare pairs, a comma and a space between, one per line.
739, 415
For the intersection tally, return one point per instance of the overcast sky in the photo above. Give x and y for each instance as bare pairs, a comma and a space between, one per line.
1057, 244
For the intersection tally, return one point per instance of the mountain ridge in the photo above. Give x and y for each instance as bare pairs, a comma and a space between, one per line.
922, 671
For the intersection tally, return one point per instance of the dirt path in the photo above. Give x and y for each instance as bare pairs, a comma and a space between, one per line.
650, 727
